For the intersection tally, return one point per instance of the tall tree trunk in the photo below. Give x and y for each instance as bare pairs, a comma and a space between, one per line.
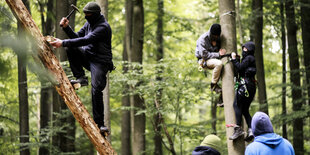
213, 113
136, 56
239, 22
106, 92
258, 40
22, 93
159, 56
291, 26
283, 39
59, 78
126, 117
228, 23
46, 90
305, 22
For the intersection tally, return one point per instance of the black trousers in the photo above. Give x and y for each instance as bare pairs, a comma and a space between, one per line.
242, 105
79, 59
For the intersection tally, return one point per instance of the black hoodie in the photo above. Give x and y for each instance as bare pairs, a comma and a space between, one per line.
247, 61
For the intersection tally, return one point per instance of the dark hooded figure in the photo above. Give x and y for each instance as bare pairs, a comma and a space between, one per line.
246, 89
266, 141
90, 48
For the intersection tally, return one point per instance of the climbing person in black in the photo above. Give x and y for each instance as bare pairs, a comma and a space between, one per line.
208, 53
246, 88
90, 48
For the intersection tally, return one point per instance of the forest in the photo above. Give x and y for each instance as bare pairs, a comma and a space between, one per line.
156, 101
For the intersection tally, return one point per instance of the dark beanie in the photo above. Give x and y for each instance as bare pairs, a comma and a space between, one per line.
91, 7
261, 124
216, 29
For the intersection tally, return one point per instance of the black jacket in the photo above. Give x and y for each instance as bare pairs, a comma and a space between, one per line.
205, 150
94, 39
247, 67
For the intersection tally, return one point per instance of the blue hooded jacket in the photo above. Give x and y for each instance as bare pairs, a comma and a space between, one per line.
266, 142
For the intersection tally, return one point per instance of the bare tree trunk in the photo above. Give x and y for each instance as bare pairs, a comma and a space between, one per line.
258, 40
291, 26
106, 92
305, 22
283, 39
239, 22
228, 23
136, 56
126, 116
59, 78
159, 56
46, 90
23, 94
213, 113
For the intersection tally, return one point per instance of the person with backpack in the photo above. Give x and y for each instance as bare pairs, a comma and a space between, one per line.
208, 53
266, 141
245, 89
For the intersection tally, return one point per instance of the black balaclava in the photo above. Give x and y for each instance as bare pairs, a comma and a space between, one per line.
215, 30
92, 18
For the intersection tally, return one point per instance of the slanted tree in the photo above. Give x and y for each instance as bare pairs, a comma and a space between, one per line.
22, 92
298, 140
59, 78
228, 23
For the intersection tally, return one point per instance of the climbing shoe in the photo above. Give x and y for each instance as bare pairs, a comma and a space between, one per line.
79, 82
238, 132
249, 136
104, 131
215, 87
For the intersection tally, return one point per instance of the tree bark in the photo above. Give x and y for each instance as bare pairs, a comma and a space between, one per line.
291, 26
258, 40
159, 56
136, 56
23, 94
305, 22
126, 116
213, 113
106, 92
59, 79
283, 39
228, 23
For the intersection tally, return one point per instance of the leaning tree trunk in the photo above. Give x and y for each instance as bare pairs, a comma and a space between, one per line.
138, 145
283, 39
59, 78
106, 92
126, 125
298, 141
22, 93
159, 56
228, 23
259, 58
305, 22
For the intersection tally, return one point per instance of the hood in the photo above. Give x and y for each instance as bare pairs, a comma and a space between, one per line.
202, 150
261, 124
251, 48
270, 139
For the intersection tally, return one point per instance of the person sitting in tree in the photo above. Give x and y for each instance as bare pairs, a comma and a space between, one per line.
208, 52
245, 89
90, 48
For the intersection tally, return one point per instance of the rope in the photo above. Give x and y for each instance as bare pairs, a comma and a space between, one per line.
230, 13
